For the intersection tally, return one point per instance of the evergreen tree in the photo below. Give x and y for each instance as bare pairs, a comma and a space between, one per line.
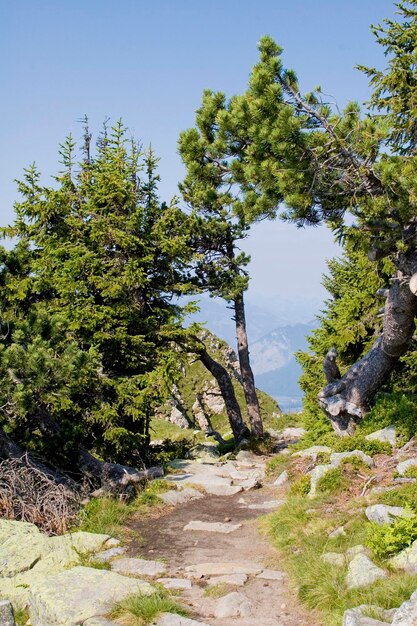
86, 306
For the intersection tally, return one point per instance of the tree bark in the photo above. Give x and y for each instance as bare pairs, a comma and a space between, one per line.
220, 373
345, 401
249, 388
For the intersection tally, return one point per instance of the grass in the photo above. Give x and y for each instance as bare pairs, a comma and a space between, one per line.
217, 591
110, 516
300, 533
276, 465
21, 616
140, 609
333, 481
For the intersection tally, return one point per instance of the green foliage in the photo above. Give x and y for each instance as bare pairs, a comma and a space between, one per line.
333, 481
140, 609
301, 486
105, 515
358, 442
87, 319
276, 465
386, 540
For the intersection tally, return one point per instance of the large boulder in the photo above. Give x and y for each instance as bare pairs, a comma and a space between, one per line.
384, 514
385, 435
72, 597
406, 615
405, 465
6, 613
406, 560
357, 617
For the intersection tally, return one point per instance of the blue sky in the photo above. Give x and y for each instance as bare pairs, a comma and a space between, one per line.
148, 63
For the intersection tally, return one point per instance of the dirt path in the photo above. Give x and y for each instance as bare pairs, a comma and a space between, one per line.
164, 538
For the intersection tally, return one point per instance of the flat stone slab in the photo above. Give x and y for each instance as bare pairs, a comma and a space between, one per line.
223, 490
234, 604
175, 497
213, 569
175, 583
138, 567
108, 555
171, 619
70, 598
99, 621
228, 579
212, 527
362, 572
270, 504
271, 574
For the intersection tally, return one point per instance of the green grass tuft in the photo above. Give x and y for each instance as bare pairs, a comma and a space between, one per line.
140, 610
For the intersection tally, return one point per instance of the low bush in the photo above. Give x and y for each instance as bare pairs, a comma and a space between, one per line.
386, 540
332, 482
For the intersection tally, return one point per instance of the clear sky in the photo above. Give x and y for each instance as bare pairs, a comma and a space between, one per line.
148, 62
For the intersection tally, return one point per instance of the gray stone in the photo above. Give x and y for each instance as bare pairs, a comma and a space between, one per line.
138, 567
384, 514
334, 558
281, 480
99, 621
338, 532
171, 619
293, 433
385, 435
271, 574
355, 617
315, 474
175, 583
362, 572
206, 452
6, 613
354, 550
234, 604
406, 560
312, 451
406, 615
336, 458
178, 418
108, 555
175, 497
405, 465
246, 455
270, 504
70, 598
231, 567
228, 579
212, 527
223, 490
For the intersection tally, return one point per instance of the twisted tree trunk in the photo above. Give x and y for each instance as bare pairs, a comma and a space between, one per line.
346, 400
248, 378
220, 373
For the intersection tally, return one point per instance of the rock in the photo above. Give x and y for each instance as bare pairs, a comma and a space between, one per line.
384, 514
99, 621
212, 527
112, 543
405, 465
271, 574
6, 613
281, 480
336, 458
70, 598
246, 455
251, 483
214, 400
138, 567
312, 451
406, 615
234, 604
315, 474
21, 546
406, 560
231, 567
171, 619
334, 558
175, 583
385, 435
271, 504
107, 555
174, 497
356, 617
338, 532
362, 572
206, 452
178, 418
293, 434
228, 579
354, 550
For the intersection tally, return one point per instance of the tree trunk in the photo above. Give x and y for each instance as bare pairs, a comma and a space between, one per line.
249, 388
345, 401
239, 428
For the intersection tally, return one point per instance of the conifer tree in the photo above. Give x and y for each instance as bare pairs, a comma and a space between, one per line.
86, 302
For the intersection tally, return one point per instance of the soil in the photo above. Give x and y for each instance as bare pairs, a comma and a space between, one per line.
163, 538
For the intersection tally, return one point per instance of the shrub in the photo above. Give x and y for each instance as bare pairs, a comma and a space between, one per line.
386, 540
332, 481
301, 486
